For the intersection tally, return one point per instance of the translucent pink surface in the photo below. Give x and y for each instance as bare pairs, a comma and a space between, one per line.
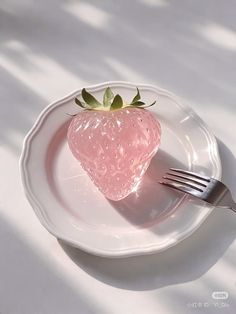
115, 148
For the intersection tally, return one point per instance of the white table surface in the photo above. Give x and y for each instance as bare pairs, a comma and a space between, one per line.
49, 48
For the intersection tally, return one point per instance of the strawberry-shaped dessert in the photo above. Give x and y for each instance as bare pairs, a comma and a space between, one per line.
114, 141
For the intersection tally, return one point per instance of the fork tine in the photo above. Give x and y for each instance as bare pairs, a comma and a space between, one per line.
192, 174
183, 183
180, 187
195, 181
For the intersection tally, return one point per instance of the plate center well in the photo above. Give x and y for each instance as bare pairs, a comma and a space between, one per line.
149, 205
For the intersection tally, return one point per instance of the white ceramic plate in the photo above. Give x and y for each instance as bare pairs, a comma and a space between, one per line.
150, 220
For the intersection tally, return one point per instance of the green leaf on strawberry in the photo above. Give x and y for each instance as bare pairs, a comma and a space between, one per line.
150, 104
137, 103
108, 97
117, 102
136, 97
79, 103
110, 102
90, 99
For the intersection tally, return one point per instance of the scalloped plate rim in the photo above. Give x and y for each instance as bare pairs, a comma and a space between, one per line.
37, 206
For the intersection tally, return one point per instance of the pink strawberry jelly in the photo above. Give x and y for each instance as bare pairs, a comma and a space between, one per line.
114, 147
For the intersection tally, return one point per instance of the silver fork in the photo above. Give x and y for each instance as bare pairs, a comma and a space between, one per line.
205, 188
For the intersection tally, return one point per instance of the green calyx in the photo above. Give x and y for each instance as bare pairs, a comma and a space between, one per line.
110, 101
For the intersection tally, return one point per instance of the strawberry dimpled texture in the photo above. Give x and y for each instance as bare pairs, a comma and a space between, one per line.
114, 147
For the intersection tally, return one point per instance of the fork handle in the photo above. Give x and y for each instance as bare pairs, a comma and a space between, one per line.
233, 207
